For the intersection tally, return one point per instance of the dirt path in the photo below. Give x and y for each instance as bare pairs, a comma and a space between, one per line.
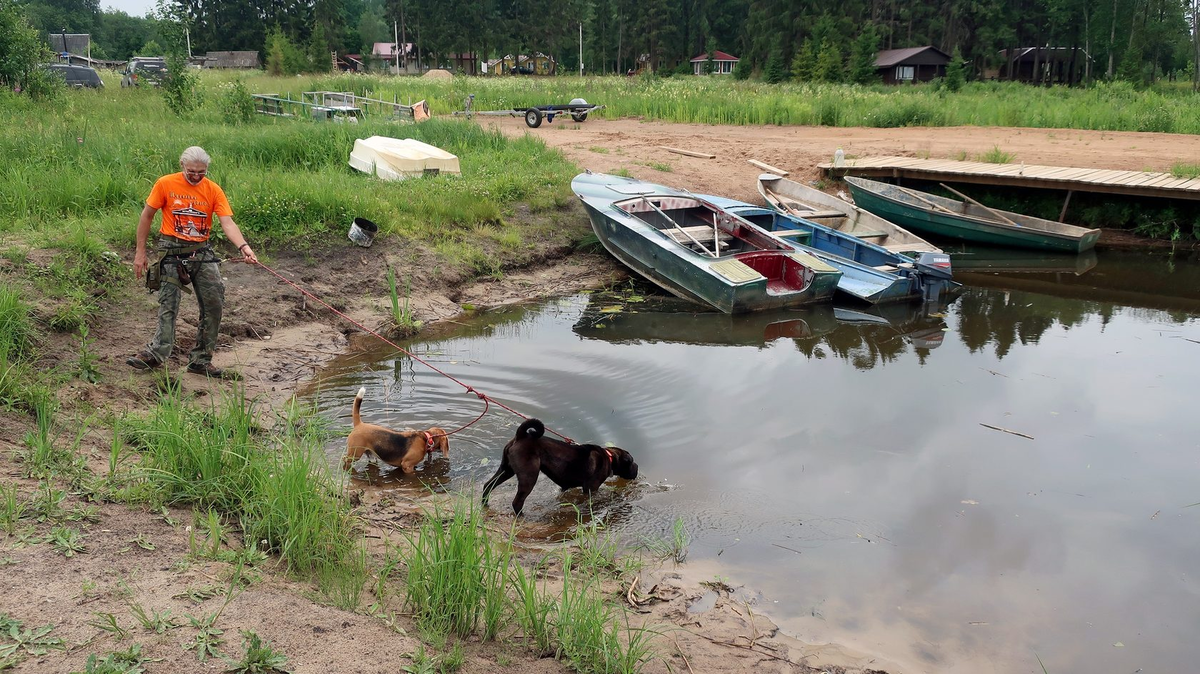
607, 145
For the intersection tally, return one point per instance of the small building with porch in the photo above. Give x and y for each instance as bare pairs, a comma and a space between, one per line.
723, 64
914, 64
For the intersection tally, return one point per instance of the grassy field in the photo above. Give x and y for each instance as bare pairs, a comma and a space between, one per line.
89, 160
1109, 107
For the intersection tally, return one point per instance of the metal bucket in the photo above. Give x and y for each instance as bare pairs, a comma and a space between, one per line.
363, 231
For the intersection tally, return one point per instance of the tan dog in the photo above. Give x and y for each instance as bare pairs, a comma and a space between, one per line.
403, 449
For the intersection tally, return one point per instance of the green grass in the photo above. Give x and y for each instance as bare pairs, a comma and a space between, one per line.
1186, 170
1115, 106
276, 485
996, 156
456, 572
287, 179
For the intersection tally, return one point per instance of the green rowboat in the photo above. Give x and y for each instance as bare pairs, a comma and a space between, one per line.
931, 214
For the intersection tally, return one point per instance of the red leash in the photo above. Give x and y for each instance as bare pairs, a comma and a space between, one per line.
487, 400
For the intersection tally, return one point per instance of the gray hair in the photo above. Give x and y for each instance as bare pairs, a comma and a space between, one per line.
195, 154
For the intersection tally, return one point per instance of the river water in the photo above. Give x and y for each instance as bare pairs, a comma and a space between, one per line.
967, 488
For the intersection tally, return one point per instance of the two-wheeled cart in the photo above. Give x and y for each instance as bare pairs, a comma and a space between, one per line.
578, 109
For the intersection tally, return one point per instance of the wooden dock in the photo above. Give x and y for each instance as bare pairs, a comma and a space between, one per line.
1133, 183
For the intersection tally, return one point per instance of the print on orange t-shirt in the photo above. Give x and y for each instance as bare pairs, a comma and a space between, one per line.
187, 209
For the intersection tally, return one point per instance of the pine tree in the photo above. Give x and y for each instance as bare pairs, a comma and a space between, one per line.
956, 74
862, 57
774, 72
829, 66
804, 63
318, 50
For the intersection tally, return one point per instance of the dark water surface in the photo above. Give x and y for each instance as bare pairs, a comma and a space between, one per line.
835, 460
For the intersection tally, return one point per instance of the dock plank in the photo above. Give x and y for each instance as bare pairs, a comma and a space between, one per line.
1111, 181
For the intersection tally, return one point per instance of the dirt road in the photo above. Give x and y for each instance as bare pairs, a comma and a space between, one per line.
607, 145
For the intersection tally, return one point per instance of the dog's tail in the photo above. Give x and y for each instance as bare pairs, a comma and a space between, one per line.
531, 429
358, 403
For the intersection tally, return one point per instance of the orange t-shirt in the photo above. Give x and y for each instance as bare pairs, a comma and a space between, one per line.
187, 209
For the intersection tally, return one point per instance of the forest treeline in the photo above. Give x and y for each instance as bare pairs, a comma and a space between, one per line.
1134, 40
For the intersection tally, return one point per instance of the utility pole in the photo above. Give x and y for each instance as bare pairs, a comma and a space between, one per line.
404, 36
396, 37
188, 36
581, 49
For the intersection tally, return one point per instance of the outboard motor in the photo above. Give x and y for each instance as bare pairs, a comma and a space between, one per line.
936, 266
936, 274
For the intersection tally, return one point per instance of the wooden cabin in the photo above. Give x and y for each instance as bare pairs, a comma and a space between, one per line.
914, 64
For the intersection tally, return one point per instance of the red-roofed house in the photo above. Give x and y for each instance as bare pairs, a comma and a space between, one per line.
915, 64
722, 63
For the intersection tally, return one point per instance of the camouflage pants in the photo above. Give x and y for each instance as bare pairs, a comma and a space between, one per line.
205, 274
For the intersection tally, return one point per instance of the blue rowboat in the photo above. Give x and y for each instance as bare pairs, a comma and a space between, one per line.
870, 273
698, 251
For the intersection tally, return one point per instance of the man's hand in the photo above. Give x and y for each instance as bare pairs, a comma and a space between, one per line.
248, 253
140, 264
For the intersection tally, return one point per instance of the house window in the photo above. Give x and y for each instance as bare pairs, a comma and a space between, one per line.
904, 73
726, 67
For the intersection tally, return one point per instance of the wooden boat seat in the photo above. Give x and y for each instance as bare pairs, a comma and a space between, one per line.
818, 215
868, 235
890, 268
800, 235
701, 233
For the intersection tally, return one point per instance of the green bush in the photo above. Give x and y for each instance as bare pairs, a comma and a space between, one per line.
21, 49
236, 103
180, 86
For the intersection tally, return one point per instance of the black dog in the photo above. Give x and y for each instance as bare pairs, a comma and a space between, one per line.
586, 466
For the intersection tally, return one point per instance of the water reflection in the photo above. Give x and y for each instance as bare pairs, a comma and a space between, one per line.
1143, 279
863, 336
835, 459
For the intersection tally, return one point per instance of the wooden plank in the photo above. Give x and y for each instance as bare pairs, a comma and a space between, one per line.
1122, 178
1099, 176
1161, 180
689, 153
1143, 179
1008, 170
767, 167
1057, 174
1181, 183
1077, 174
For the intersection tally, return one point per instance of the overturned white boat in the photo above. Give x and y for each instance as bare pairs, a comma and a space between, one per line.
400, 158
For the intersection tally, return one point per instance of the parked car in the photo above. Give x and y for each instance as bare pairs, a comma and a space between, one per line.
76, 76
144, 70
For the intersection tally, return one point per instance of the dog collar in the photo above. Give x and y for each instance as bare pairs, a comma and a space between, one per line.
611, 458
428, 439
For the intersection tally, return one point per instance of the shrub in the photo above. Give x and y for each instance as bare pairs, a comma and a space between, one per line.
180, 86
956, 75
237, 106
21, 50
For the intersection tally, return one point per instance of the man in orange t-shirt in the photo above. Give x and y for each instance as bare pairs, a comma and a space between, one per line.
188, 201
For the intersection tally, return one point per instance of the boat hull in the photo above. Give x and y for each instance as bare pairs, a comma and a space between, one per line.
860, 279
1030, 233
770, 275
697, 283
794, 199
